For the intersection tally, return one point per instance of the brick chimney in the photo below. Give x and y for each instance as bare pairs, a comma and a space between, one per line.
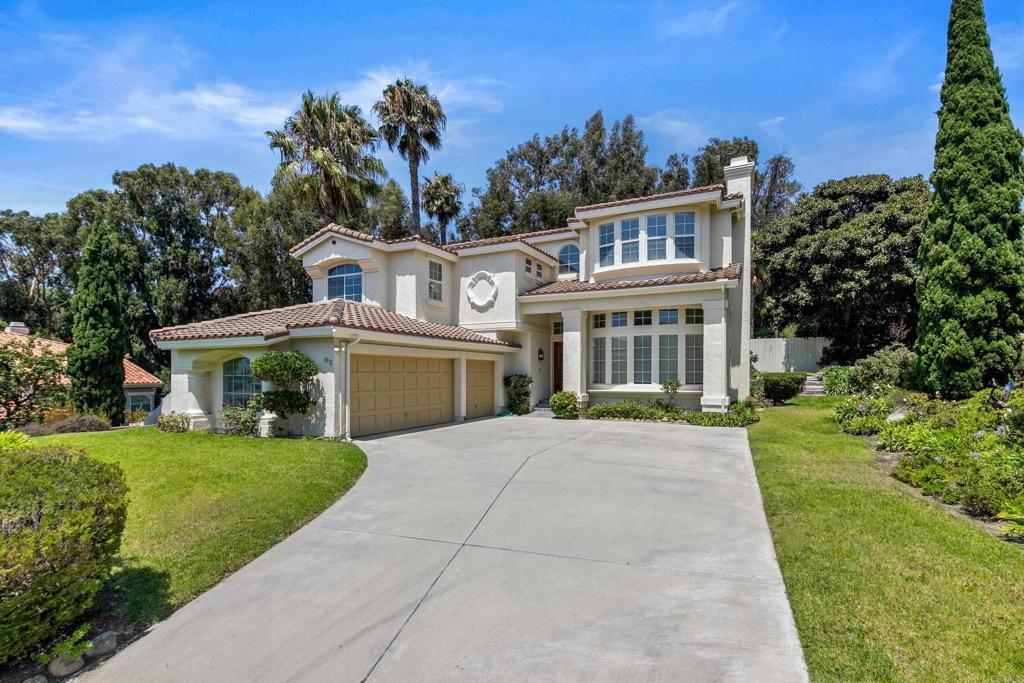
18, 328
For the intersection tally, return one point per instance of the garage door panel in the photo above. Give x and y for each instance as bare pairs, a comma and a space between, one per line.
391, 393
479, 388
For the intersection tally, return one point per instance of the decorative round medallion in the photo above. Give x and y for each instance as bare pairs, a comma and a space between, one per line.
482, 290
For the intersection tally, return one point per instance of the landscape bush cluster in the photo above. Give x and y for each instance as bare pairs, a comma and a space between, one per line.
893, 366
67, 425
968, 452
565, 405
173, 422
837, 380
241, 420
63, 514
741, 413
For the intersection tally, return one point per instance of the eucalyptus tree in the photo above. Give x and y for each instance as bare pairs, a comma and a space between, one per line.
411, 120
330, 146
441, 199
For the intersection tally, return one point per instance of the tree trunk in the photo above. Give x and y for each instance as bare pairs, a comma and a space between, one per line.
414, 189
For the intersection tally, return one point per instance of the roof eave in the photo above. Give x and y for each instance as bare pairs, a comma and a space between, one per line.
726, 283
653, 204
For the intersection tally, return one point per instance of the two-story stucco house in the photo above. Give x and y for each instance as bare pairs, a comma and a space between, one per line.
406, 333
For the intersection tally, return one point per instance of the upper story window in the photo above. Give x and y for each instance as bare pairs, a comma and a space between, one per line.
641, 318
434, 281
540, 270
657, 231
239, 385
630, 240
606, 244
694, 316
619, 319
668, 316
599, 321
529, 266
685, 234
345, 281
569, 259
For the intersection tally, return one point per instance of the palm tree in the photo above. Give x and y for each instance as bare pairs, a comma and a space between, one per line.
411, 119
441, 200
330, 146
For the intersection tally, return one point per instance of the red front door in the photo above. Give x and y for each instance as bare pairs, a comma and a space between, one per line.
556, 365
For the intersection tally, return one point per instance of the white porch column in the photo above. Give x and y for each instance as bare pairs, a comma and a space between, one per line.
716, 357
337, 394
459, 390
500, 404
188, 394
574, 353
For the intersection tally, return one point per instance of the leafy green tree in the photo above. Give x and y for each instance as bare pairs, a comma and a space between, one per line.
711, 159
675, 175
330, 146
625, 171
95, 357
412, 120
842, 264
30, 380
971, 289
441, 199
391, 212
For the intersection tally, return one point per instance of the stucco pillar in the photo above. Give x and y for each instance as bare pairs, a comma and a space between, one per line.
268, 420
739, 178
574, 353
500, 404
336, 407
716, 357
459, 389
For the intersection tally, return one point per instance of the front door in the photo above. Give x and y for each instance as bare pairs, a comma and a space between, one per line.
556, 365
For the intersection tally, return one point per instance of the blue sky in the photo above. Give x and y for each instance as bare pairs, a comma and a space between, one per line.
88, 88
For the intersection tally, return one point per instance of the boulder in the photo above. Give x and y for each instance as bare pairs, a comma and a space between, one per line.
62, 666
102, 644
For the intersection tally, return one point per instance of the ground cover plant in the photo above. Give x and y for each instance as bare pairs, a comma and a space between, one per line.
884, 586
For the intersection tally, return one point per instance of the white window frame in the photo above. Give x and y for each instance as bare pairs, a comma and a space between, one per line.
659, 241
529, 266
632, 243
435, 286
569, 259
668, 359
643, 359
683, 233
600, 320
606, 244
623, 341
694, 361
693, 316
346, 282
599, 360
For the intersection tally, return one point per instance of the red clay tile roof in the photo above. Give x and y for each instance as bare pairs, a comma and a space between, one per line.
654, 197
575, 286
354, 234
133, 375
332, 312
504, 239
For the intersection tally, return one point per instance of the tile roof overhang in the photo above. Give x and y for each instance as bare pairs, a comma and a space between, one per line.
134, 376
707, 193
334, 230
726, 275
331, 313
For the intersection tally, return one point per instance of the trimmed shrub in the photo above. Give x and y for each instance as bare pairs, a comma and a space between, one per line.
565, 405
241, 420
893, 366
741, 414
837, 380
284, 367
780, 387
174, 422
69, 425
63, 514
517, 392
283, 402
625, 410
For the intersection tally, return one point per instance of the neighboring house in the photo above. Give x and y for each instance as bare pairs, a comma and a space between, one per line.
406, 333
140, 387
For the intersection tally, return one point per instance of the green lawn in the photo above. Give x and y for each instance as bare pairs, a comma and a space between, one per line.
202, 505
884, 586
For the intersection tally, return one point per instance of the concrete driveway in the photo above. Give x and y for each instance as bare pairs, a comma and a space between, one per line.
511, 549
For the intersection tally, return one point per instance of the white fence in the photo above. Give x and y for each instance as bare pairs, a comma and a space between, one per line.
800, 354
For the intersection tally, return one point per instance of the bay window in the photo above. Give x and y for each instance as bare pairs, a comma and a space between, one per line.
685, 234
597, 362
630, 231
606, 244
619, 359
656, 237
642, 359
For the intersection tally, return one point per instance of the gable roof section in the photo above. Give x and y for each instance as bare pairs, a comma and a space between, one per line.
655, 197
505, 239
134, 376
335, 229
576, 287
330, 313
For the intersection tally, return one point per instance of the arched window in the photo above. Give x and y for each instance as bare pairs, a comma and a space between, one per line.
239, 385
569, 259
345, 281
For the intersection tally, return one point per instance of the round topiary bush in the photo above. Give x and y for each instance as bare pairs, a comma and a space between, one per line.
62, 516
565, 405
284, 368
780, 387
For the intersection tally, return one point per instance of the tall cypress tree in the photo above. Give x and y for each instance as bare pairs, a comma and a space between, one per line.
95, 358
971, 289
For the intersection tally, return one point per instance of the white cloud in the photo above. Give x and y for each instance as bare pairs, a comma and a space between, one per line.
1008, 46
676, 125
772, 126
882, 79
701, 21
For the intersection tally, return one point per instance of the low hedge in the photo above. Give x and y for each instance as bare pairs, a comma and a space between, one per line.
62, 518
565, 405
174, 422
68, 425
780, 387
741, 414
